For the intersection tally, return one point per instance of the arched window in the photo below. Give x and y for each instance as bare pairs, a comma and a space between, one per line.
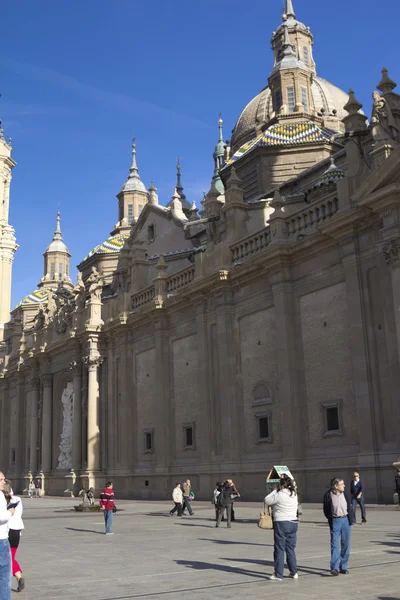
306, 56
261, 394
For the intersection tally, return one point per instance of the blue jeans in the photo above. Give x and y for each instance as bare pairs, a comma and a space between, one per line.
108, 517
285, 538
360, 501
186, 504
340, 556
5, 570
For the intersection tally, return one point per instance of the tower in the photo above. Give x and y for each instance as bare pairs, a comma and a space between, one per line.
8, 243
56, 262
132, 197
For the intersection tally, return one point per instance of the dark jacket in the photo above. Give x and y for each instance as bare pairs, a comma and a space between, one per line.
397, 483
356, 489
225, 497
328, 508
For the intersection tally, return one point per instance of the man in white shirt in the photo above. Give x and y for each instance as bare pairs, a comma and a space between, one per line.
5, 554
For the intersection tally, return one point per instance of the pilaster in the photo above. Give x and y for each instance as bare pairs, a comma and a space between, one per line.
46, 379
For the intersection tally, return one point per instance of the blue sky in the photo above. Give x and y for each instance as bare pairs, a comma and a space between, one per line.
79, 79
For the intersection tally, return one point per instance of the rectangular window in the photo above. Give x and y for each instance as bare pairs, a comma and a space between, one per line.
140, 208
278, 100
264, 429
60, 270
130, 214
291, 101
148, 440
188, 435
306, 56
332, 418
304, 98
52, 270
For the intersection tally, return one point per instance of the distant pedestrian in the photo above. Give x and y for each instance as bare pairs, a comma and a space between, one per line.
397, 486
284, 502
339, 512
235, 494
225, 501
216, 493
5, 554
357, 496
177, 497
31, 488
15, 526
107, 505
38, 488
186, 489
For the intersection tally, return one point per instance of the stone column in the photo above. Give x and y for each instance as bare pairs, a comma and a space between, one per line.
47, 381
93, 434
33, 400
76, 369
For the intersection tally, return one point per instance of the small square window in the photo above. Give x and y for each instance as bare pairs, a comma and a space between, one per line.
264, 429
188, 436
149, 440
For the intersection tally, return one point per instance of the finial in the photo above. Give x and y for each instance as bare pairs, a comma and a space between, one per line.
353, 105
179, 186
289, 9
58, 229
220, 125
193, 207
386, 84
134, 170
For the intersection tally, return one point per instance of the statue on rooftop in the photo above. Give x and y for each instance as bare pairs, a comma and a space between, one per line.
383, 124
96, 283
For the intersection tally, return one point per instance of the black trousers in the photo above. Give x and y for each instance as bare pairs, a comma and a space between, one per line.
228, 515
14, 537
177, 507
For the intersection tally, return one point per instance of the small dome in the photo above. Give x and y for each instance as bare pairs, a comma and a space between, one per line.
259, 110
41, 296
112, 245
57, 246
332, 175
134, 184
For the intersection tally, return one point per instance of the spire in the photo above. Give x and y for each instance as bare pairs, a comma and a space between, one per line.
57, 233
287, 47
57, 243
56, 260
289, 9
179, 187
218, 156
386, 84
133, 183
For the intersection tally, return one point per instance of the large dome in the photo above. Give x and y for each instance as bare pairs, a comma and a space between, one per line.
259, 110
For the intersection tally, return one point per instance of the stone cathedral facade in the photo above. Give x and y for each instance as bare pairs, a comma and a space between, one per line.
263, 329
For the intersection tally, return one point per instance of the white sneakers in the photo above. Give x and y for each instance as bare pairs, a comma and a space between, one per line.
295, 576
273, 578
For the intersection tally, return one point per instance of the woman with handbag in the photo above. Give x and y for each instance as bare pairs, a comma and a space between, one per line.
284, 504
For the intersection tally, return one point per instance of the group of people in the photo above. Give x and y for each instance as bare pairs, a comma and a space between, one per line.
339, 508
11, 526
34, 488
182, 496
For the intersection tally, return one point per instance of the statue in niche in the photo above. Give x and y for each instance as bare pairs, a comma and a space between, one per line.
80, 293
96, 283
51, 308
383, 124
67, 403
40, 319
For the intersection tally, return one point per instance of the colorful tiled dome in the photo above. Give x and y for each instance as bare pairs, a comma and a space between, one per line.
331, 175
110, 246
41, 296
286, 134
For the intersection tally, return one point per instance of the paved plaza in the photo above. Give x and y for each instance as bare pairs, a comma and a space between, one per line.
152, 555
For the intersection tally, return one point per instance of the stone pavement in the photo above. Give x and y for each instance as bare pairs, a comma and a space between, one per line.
152, 555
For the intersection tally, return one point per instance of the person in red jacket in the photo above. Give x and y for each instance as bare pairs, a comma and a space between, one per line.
107, 505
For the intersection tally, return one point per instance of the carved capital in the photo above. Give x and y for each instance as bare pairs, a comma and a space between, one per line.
92, 362
391, 252
46, 379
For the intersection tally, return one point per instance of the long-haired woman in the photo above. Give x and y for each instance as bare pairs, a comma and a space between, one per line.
15, 526
284, 504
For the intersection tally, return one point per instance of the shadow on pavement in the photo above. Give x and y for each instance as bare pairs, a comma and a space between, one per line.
203, 566
234, 542
85, 530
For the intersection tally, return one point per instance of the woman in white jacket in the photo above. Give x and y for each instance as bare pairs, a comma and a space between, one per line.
177, 497
15, 526
5, 555
284, 504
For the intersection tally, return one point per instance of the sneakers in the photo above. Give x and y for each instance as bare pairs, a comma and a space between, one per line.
362, 522
334, 572
111, 533
294, 575
21, 584
273, 578
344, 572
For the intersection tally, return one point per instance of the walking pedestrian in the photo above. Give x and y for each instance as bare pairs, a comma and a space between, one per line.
31, 488
216, 493
284, 502
357, 496
339, 512
107, 505
38, 488
235, 494
397, 486
225, 501
177, 497
15, 526
5, 554
186, 489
